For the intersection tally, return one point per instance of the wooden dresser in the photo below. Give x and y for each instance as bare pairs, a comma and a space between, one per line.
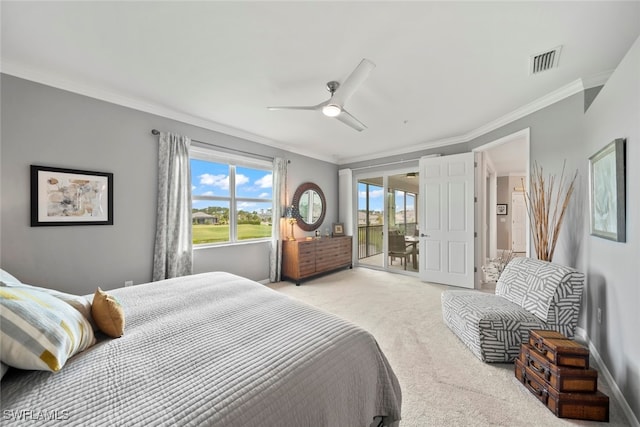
306, 258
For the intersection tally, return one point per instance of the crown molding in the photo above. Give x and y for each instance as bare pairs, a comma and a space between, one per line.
405, 150
112, 97
540, 103
597, 79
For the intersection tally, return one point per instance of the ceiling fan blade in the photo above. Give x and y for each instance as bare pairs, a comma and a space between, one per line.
351, 121
352, 82
293, 108
304, 107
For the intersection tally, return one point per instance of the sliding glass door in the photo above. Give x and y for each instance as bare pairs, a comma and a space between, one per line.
387, 221
370, 221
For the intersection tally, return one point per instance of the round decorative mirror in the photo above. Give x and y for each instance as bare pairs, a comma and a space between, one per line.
309, 206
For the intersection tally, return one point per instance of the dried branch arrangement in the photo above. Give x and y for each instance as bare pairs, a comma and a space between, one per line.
546, 208
496, 266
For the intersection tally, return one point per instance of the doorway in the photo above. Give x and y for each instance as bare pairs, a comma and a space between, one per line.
503, 172
387, 212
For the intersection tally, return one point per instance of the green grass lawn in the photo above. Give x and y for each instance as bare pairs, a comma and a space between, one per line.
220, 233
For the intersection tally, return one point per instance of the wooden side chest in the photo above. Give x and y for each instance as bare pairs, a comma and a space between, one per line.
559, 349
305, 258
563, 379
556, 370
584, 406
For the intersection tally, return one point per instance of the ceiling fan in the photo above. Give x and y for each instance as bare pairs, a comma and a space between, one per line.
340, 94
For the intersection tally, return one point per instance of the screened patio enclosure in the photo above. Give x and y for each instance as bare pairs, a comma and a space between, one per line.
389, 210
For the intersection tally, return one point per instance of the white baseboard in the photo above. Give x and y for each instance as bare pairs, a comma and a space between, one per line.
615, 390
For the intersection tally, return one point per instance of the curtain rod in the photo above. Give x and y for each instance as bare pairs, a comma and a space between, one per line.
232, 150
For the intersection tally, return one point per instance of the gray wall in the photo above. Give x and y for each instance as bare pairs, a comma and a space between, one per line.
47, 126
613, 271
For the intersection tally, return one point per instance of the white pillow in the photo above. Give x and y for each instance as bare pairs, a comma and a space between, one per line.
3, 369
8, 278
40, 331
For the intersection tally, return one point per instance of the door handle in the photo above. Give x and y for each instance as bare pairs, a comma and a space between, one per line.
424, 235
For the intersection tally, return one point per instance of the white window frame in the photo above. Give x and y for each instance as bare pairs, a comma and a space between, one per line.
232, 160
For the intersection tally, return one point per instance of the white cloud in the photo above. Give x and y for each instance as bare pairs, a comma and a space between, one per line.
220, 181
265, 182
240, 180
263, 195
246, 205
372, 194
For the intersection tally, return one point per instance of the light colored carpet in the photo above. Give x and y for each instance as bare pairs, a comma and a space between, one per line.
443, 384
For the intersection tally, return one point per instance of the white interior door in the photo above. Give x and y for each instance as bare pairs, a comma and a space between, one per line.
518, 222
447, 220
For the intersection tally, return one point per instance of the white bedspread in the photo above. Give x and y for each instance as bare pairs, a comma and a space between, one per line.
214, 349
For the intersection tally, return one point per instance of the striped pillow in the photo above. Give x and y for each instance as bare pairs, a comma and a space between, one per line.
40, 331
80, 303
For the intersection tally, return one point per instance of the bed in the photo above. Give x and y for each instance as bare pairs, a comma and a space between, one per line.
215, 349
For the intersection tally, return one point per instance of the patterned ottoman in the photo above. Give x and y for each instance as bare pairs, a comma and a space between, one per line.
530, 294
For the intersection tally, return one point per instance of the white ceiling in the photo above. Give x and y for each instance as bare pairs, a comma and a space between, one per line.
510, 158
444, 69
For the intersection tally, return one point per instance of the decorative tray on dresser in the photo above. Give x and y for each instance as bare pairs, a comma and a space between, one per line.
306, 258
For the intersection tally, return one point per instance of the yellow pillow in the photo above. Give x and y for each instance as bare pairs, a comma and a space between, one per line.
108, 314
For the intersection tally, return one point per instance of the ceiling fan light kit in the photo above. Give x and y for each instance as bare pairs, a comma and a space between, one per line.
334, 106
331, 110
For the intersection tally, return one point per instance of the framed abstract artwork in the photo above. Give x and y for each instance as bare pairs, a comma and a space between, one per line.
70, 197
607, 195
501, 209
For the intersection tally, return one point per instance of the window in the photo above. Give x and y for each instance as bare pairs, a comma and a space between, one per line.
232, 197
405, 211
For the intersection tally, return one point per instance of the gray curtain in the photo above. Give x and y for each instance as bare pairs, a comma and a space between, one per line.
172, 255
279, 201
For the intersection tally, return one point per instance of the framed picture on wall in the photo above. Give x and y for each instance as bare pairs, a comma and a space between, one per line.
70, 197
607, 195
501, 209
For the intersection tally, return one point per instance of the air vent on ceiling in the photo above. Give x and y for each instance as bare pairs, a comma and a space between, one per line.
545, 61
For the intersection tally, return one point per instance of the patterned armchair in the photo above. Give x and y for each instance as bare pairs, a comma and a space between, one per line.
530, 294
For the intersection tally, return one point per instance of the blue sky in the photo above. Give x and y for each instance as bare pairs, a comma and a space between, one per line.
212, 179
